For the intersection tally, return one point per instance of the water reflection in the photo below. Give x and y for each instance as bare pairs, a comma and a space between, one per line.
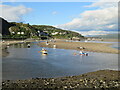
43, 56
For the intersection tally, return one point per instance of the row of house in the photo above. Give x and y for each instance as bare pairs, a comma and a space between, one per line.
55, 33
94, 39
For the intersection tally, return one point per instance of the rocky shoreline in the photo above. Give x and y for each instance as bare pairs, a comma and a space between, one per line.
107, 79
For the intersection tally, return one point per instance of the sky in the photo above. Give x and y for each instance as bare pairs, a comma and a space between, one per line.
87, 18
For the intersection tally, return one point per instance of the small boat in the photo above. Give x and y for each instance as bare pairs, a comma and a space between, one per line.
86, 40
44, 51
28, 45
44, 54
54, 46
85, 54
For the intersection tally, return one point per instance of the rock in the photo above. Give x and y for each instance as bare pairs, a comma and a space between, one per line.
88, 81
64, 86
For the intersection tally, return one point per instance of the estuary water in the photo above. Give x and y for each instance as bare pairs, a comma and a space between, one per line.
25, 63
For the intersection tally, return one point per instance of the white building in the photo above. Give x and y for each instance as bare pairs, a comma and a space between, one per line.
54, 33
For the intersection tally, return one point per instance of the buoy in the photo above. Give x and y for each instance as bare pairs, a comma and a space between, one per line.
74, 53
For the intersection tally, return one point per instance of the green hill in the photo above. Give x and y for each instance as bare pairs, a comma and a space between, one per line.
4, 27
20, 30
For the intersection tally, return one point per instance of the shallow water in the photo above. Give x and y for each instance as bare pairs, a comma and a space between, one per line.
116, 46
101, 42
25, 63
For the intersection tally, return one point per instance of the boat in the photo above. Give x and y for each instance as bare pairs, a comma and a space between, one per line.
85, 54
86, 40
54, 46
28, 45
44, 51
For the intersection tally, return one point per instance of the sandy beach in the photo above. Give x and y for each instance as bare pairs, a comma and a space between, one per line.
111, 40
92, 47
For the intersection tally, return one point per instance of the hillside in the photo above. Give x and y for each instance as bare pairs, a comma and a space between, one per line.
4, 27
20, 30
57, 32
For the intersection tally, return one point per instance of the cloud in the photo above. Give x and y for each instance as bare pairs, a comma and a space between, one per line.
54, 12
105, 4
59, 0
93, 32
100, 19
8, 0
13, 13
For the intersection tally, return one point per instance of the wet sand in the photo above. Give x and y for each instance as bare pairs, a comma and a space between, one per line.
92, 47
98, 79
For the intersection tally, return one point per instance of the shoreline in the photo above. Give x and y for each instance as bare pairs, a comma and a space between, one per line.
97, 79
89, 46
3, 46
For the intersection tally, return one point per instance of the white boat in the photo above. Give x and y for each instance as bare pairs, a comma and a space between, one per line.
85, 54
28, 45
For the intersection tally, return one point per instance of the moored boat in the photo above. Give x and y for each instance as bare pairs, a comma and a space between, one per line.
85, 54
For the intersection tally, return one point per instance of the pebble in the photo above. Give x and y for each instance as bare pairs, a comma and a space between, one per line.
103, 82
65, 83
78, 84
53, 80
64, 86
81, 80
